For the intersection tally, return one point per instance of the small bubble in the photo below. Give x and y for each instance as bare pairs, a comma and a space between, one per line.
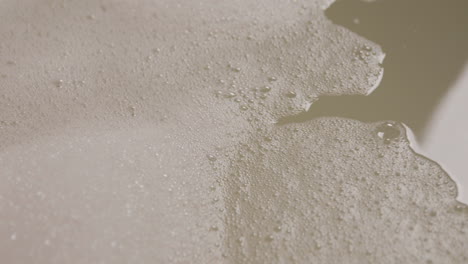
269, 238
459, 207
13, 236
388, 131
272, 79
214, 228
243, 108
290, 94
265, 89
211, 157
230, 95
277, 228
58, 83
132, 111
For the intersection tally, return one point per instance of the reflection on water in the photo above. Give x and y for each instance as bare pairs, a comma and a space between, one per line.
446, 140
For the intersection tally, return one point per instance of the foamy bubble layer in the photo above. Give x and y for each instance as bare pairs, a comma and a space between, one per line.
337, 191
143, 131
63, 62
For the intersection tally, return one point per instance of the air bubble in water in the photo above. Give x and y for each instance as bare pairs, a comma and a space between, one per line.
230, 95
211, 157
265, 89
388, 131
58, 83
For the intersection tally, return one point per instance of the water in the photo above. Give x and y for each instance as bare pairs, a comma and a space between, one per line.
445, 139
424, 42
178, 131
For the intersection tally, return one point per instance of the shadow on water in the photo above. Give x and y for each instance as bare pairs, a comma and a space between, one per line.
426, 43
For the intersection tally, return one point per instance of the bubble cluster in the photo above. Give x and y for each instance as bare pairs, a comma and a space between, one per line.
342, 196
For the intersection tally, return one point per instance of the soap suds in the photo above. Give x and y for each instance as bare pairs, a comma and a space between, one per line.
341, 191
125, 126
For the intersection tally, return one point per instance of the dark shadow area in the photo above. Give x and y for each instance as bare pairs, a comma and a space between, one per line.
426, 43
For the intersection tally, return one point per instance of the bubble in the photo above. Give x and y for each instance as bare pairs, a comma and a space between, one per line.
265, 89
211, 157
459, 207
58, 83
230, 95
132, 111
388, 131
291, 94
